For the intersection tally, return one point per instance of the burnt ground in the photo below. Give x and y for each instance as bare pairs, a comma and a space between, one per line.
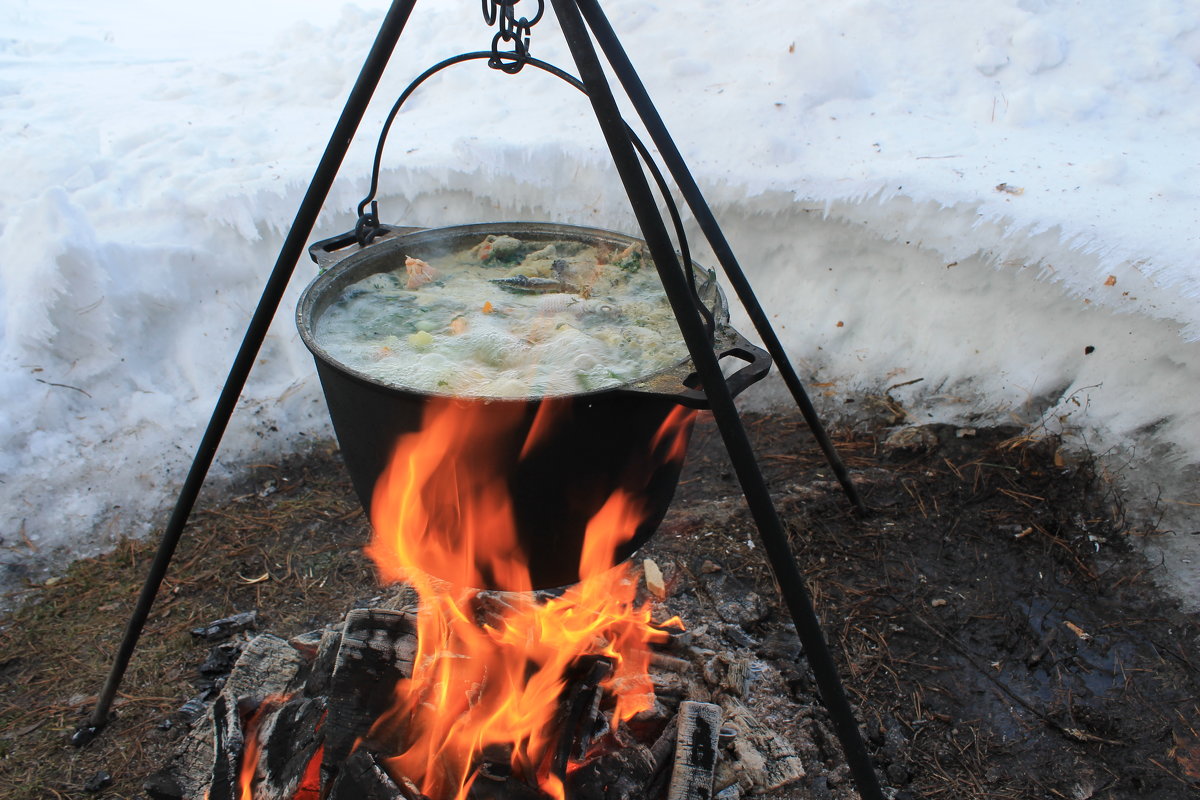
994, 628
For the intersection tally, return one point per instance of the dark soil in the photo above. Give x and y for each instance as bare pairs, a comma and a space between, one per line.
995, 631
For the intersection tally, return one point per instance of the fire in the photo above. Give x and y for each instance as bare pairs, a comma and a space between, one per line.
442, 508
250, 753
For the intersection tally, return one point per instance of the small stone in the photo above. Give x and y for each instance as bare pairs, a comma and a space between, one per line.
98, 782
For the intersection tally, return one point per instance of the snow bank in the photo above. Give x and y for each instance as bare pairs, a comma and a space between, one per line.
998, 200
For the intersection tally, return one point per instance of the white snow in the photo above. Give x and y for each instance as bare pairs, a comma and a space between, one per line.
966, 195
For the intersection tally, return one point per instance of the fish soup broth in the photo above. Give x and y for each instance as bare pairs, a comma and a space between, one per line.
508, 317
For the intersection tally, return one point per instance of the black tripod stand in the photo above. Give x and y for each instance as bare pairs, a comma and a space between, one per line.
576, 17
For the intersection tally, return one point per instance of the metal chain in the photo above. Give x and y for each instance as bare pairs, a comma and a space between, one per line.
513, 31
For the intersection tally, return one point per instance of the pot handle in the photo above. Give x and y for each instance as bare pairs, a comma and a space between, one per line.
328, 252
758, 364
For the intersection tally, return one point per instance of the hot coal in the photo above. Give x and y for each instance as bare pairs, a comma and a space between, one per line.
675, 743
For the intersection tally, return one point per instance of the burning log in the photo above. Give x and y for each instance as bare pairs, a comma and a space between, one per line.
697, 728
376, 651
497, 695
668, 751
323, 660
508, 789
362, 778
207, 762
580, 712
307, 644
209, 757
268, 666
620, 775
288, 744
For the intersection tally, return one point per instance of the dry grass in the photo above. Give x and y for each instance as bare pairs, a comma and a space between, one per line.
289, 545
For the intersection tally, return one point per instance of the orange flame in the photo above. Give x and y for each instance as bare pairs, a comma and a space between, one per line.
252, 747
310, 781
441, 508
309, 786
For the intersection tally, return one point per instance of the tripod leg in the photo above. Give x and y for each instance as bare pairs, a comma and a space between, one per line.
293, 247
625, 72
741, 454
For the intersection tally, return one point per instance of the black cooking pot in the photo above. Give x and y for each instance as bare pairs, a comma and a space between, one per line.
603, 441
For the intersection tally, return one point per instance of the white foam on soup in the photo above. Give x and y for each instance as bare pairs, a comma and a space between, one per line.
507, 318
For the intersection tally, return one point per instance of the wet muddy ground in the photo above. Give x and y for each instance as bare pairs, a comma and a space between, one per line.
994, 628
996, 631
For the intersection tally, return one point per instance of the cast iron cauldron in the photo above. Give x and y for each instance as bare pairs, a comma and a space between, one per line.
605, 437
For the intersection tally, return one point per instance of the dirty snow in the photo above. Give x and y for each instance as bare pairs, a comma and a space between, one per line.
994, 204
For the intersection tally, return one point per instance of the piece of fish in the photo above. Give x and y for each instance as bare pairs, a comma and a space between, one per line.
419, 273
558, 303
527, 285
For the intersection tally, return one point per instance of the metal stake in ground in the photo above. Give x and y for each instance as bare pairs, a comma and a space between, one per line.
770, 527
285, 264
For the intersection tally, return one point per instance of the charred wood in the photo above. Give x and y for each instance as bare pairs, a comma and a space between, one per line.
646, 725
508, 789
670, 663
764, 760
409, 790
321, 669
289, 739
697, 728
619, 775
361, 777
221, 658
376, 651
670, 688
224, 628
579, 711
267, 667
227, 749
306, 644
735, 602
495, 762
403, 597
209, 756
207, 761
731, 672
662, 752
